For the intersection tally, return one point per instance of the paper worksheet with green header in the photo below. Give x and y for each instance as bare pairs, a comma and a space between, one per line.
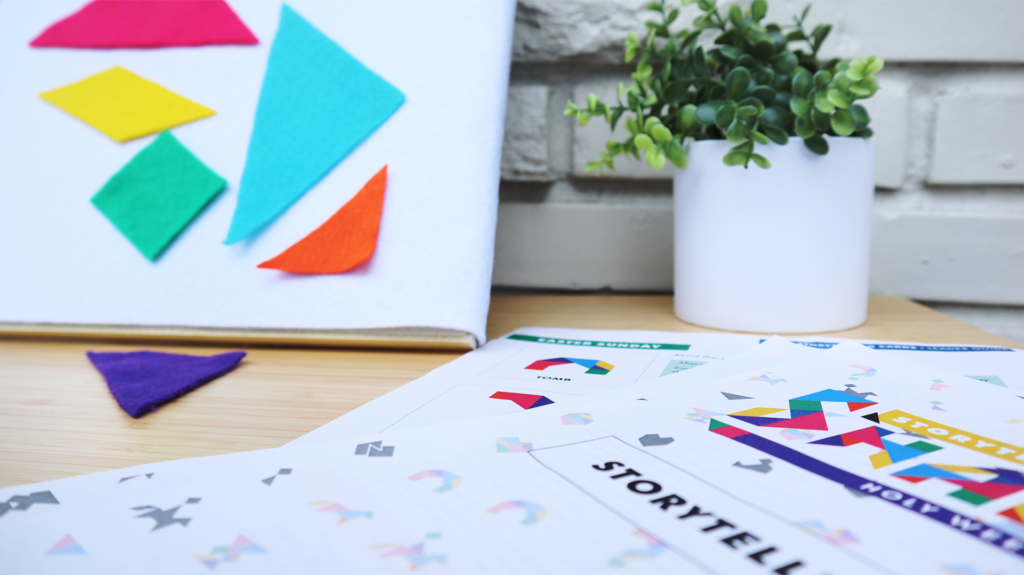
530, 367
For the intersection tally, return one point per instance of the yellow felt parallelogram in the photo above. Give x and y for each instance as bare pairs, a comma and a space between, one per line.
124, 106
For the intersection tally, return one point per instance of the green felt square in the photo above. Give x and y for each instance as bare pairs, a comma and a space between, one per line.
156, 195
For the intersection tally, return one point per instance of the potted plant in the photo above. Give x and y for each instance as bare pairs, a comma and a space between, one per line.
771, 235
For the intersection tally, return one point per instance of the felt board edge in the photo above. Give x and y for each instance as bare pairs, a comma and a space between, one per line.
432, 339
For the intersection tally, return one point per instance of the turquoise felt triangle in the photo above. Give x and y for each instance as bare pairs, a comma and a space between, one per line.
317, 104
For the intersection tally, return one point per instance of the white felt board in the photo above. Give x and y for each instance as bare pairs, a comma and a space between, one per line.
63, 262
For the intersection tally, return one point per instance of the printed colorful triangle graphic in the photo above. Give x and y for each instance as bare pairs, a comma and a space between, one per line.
524, 400
137, 24
317, 104
66, 546
142, 381
344, 241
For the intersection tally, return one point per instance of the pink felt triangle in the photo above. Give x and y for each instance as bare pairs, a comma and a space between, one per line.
147, 24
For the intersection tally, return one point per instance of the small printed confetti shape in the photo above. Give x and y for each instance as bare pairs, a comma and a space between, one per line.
577, 419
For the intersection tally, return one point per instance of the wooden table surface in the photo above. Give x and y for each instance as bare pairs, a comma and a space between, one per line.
58, 419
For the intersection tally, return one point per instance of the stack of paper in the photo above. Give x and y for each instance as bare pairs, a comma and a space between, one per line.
572, 451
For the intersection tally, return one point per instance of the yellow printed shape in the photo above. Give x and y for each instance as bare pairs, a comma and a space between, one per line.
757, 412
880, 459
934, 430
605, 365
124, 106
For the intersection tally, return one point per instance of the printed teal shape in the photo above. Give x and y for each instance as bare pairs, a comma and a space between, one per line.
317, 104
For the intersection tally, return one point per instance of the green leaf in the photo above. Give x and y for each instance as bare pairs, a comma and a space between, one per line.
655, 6
688, 117
759, 137
774, 133
706, 113
822, 103
736, 15
758, 8
821, 120
735, 158
843, 123
677, 155
764, 93
860, 115
643, 142
819, 34
776, 115
795, 36
583, 117
737, 132
655, 159
822, 79
650, 100
650, 123
804, 127
737, 81
614, 119
802, 83
785, 62
865, 133
764, 75
761, 161
725, 115
632, 126
764, 49
700, 63
731, 52
592, 101
817, 144
744, 111
799, 105
672, 16
675, 92
874, 66
661, 134
838, 98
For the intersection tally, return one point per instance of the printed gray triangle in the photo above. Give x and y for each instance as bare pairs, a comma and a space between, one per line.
733, 396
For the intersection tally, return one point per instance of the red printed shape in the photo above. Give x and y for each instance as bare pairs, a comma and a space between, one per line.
344, 241
814, 420
524, 400
867, 435
147, 24
854, 406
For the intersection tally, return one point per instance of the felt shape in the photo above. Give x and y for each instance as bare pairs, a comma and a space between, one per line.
147, 24
344, 241
317, 104
157, 194
142, 381
124, 106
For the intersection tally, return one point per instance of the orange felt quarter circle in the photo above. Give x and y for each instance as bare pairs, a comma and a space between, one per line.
344, 241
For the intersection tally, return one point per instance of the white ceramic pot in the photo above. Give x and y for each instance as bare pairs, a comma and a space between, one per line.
782, 250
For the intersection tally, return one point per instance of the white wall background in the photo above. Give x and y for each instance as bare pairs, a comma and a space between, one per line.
949, 121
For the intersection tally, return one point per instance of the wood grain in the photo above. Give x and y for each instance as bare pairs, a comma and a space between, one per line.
58, 419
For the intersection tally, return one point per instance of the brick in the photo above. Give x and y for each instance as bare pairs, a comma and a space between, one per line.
568, 30
584, 246
916, 30
978, 137
888, 110
970, 258
898, 30
524, 155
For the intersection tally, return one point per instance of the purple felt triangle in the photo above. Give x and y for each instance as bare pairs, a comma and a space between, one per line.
142, 381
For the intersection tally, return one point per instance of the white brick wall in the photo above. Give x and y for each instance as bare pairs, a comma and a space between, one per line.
950, 169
